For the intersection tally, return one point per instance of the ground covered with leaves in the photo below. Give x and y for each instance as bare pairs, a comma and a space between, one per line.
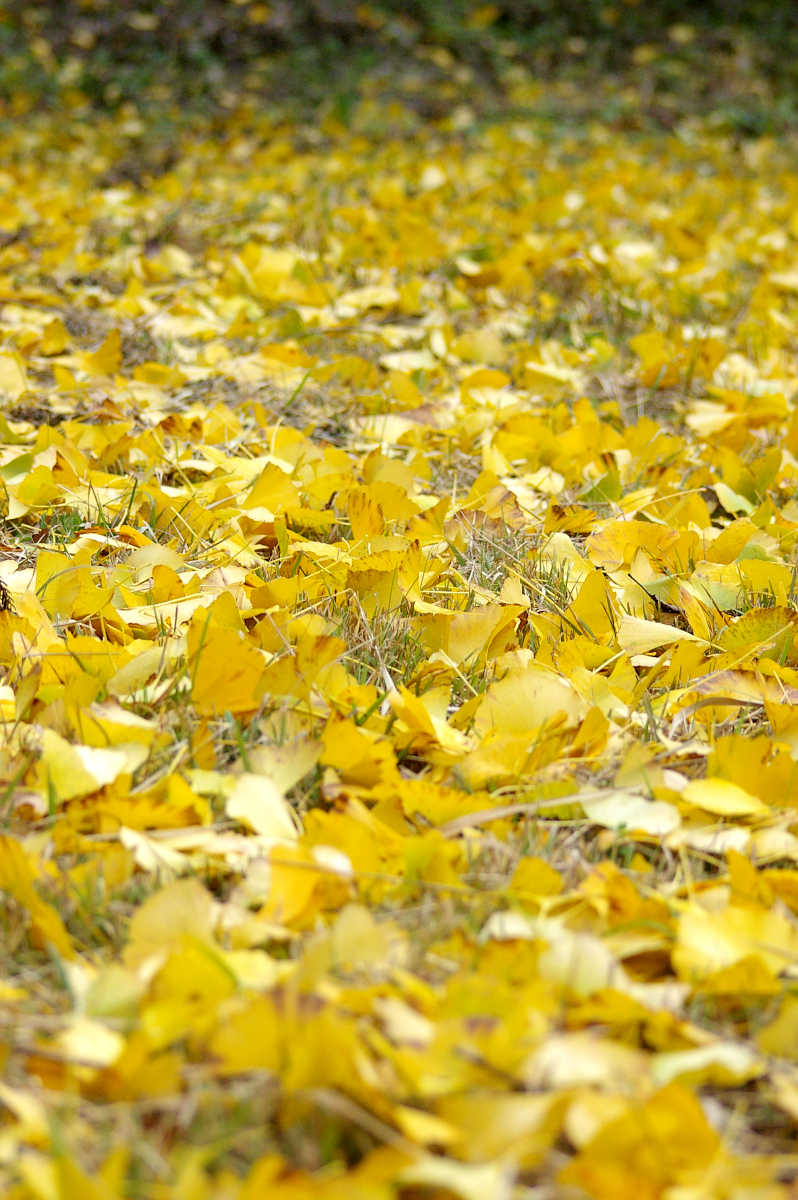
400, 655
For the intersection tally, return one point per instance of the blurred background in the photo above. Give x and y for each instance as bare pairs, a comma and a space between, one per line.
737, 61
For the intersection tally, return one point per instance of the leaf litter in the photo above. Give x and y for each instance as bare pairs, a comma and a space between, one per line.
399, 662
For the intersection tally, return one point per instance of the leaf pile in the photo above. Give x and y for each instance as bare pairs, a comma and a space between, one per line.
399, 685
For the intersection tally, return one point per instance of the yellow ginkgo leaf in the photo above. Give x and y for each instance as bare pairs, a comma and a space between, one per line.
722, 797
709, 941
70, 770
17, 879
13, 377
106, 359
259, 803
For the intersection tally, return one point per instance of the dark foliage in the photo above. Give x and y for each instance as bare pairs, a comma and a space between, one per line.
117, 51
